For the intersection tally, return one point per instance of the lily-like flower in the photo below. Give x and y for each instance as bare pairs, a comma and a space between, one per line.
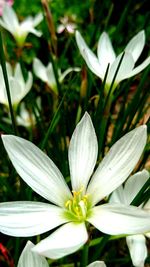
46, 73
106, 55
125, 195
33, 259
25, 118
30, 258
70, 210
67, 24
3, 3
17, 85
19, 30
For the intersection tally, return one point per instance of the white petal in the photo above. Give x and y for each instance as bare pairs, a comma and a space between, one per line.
26, 218
93, 64
117, 164
51, 80
30, 258
16, 91
97, 264
4, 25
147, 205
18, 74
136, 45
36, 32
60, 28
2, 79
137, 248
134, 184
125, 68
28, 83
3, 94
116, 219
38, 18
9, 69
139, 68
39, 70
25, 26
64, 241
82, 44
83, 151
118, 196
10, 19
36, 169
89, 56
105, 51
71, 27
24, 87
25, 118
147, 235
66, 72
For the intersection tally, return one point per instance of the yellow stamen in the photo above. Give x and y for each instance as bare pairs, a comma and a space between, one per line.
77, 206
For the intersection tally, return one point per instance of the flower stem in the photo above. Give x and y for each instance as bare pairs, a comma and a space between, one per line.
50, 24
84, 257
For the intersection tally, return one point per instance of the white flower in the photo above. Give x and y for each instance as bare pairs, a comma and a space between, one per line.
30, 258
46, 74
25, 118
106, 55
17, 85
125, 195
19, 30
70, 210
33, 259
66, 24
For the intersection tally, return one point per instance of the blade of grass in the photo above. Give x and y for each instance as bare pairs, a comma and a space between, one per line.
99, 121
141, 109
52, 124
129, 112
100, 247
119, 122
135, 103
3, 64
140, 197
84, 257
123, 19
107, 112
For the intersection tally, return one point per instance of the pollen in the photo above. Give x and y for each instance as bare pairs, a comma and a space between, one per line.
78, 205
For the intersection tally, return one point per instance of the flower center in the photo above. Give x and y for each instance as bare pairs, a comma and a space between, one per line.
77, 207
